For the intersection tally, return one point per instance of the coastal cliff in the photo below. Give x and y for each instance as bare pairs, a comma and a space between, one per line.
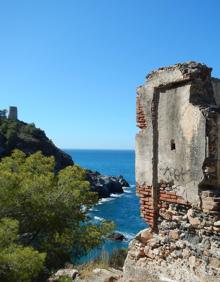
177, 174
16, 134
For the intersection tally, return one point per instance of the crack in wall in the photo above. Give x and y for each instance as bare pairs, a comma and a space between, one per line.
154, 112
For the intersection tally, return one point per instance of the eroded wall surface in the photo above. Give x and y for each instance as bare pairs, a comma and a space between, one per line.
178, 173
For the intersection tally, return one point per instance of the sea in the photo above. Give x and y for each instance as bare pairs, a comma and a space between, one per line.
123, 209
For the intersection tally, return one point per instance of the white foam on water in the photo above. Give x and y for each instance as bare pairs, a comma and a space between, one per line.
104, 200
93, 210
128, 191
116, 195
83, 208
126, 188
98, 218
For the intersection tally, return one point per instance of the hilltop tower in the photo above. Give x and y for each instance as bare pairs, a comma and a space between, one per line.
13, 113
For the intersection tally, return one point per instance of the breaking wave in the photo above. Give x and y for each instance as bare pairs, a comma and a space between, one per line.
98, 218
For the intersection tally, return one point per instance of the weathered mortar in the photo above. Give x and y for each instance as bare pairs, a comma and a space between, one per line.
178, 174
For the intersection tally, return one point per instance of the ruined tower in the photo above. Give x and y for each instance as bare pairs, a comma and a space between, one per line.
13, 113
178, 172
177, 155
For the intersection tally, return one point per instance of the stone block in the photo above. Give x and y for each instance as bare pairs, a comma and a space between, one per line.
174, 234
144, 236
71, 273
217, 223
214, 262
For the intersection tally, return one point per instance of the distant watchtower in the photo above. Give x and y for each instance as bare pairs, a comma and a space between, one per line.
13, 113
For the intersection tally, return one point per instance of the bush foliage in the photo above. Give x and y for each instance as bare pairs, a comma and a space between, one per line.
13, 131
117, 258
45, 215
17, 263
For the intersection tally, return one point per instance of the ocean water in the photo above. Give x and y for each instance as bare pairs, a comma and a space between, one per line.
123, 209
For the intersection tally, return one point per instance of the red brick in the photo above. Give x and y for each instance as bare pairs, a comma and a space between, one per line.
169, 200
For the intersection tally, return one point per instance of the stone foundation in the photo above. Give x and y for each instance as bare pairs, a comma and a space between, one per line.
187, 245
182, 251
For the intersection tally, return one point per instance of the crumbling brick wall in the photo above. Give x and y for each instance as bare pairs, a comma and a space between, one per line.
200, 141
177, 168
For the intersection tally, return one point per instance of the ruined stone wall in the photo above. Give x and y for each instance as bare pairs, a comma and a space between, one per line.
177, 174
178, 114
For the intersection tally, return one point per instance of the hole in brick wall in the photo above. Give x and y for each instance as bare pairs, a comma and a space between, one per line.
172, 144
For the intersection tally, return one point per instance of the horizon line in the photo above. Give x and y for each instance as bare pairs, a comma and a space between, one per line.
100, 149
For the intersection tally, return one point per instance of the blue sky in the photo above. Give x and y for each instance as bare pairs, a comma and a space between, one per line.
72, 66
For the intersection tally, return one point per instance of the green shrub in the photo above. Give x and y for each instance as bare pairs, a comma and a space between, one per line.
17, 263
117, 258
65, 279
13, 130
51, 208
104, 261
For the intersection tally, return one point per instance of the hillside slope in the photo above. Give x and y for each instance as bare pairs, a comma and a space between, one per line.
29, 139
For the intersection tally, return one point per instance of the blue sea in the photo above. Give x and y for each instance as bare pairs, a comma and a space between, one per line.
123, 209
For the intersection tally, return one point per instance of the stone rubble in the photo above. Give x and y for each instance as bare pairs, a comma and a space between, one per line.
180, 254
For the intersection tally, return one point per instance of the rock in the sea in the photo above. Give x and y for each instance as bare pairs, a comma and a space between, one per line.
117, 236
122, 181
106, 185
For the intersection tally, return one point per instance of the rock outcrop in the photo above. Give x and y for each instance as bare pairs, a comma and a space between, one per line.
178, 177
117, 236
102, 275
29, 139
96, 275
65, 272
106, 185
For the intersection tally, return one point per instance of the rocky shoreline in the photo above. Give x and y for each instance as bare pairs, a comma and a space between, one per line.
106, 185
